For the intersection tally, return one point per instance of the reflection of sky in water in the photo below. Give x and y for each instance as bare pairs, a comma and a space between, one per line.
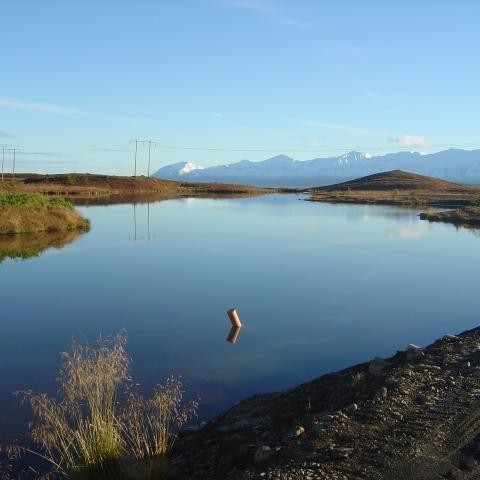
317, 287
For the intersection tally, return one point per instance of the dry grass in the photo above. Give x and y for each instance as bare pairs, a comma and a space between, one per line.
18, 219
24, 213
94, 187
90, 432
398, 188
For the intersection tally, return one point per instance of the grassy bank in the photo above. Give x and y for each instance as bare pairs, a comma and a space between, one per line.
91, 187
469, 216
29, 213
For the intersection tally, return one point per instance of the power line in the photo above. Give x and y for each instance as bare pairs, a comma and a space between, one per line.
14, 150
323, 149
143, 142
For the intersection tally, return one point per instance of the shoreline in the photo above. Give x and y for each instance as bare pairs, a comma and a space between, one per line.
22, 213
412, 415
468, 217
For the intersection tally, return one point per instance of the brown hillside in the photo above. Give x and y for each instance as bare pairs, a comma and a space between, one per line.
87, 185
398, 188
399, 180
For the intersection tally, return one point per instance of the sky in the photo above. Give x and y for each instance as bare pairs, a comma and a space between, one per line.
217, 81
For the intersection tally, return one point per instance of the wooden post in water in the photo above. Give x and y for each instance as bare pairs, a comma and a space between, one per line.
232, 313
233, 335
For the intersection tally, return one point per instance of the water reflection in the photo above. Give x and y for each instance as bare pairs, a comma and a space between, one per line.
28, 245
233, 334
135, 237
318, 289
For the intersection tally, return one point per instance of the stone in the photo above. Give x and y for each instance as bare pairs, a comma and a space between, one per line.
340, 452
381, 394
263, 454
391, 382
351, 408
413, 352
377, 366
297, 431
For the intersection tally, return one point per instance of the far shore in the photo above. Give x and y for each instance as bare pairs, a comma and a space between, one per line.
91, 187
468, 216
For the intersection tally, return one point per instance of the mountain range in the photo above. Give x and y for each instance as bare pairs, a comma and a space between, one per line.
456, 165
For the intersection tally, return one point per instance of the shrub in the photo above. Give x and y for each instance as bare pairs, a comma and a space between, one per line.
358, 379
90, 433
31, 200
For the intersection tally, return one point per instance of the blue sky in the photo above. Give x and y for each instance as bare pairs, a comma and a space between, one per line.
79, 79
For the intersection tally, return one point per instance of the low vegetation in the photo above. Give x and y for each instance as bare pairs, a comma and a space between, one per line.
398, 188
28, 212
102, 188
468, 216
100, 427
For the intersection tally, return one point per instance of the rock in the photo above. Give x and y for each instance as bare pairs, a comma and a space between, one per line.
351, 408
297, 431
469, 463
262, 454
391, 382
414, 352
377, 366
448, 336
340, 452
381, 394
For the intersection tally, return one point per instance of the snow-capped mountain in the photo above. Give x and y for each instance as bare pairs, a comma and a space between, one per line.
453, 164
177, 170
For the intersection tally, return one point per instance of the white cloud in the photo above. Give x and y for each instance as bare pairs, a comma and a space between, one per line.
298, 23
60, 110
4, 134
216, 115
113, 150
378, 96
410, 141
273, 11
43, 154
334, 126
409, 232
254, 5
346, 49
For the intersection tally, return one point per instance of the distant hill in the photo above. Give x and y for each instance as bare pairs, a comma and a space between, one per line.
95, 187
456, 165
398, 188
399, 180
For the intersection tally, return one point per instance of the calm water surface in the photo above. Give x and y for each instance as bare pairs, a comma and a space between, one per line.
318, 287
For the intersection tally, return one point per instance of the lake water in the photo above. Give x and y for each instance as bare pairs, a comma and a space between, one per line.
318, 287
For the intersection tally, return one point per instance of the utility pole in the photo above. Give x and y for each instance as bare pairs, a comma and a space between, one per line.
13, 171
3, 160
143, 142
135, 170
150, 143
149, 150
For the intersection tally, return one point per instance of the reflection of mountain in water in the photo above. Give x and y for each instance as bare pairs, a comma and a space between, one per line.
27, 245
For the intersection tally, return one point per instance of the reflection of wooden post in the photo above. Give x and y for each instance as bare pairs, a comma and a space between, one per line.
233, 335
232, 313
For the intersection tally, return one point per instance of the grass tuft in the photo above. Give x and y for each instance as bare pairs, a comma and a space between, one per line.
99, 427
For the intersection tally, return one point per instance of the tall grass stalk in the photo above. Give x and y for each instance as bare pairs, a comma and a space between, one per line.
96, 429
